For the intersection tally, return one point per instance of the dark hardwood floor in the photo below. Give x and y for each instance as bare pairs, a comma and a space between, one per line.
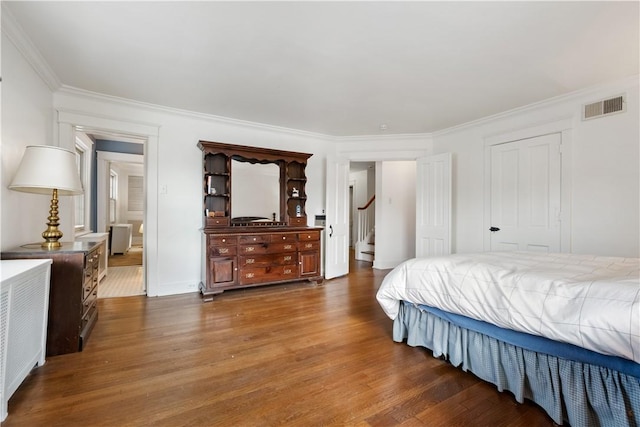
297, 355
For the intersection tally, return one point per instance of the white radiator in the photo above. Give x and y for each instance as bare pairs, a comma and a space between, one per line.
24, 307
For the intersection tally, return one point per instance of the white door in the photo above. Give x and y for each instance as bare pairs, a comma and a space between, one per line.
525, 195
433, 205
337, 222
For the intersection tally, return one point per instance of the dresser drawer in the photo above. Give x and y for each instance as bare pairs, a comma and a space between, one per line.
90, 301
223, 241
284, 237
309, 246
91, 267
261, 248
257, 238
298, 221
87, 288
275, 248
212, 221
89, 315
252, 275
309, 236
268, 260
223, 250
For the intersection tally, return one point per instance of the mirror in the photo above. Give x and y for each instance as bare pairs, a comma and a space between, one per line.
255, 191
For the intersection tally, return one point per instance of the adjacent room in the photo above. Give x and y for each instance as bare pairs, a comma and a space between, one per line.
299, 213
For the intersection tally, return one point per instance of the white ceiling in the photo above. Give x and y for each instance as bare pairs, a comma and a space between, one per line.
336, 68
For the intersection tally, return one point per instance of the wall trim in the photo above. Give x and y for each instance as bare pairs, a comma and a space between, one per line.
91, 121
571, 96
421, 137
187, 113
628, 81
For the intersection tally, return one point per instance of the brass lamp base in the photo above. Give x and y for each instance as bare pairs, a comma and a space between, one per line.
52, 234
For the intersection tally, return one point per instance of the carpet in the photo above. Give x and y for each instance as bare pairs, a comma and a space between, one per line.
122, 282
131, 258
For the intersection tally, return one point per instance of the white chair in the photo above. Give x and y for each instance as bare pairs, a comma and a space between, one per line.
120, 238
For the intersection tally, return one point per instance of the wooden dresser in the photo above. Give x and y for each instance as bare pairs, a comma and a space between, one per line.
73, 295
254, 247
259, 256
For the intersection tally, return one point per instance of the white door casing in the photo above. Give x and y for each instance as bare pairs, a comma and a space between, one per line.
337, 218
433, 205
525, 199
67, 120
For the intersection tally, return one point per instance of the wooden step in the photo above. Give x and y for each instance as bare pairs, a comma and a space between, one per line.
368, 252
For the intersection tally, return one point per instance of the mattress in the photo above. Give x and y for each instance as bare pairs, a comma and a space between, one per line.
588, 301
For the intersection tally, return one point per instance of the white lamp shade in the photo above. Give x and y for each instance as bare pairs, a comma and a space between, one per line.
44, 168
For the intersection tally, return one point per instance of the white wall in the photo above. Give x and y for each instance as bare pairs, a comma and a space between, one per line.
178, 176
395, 213
27, 119
604, 216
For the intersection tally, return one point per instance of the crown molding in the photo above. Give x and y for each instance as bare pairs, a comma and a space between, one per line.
82, 93
571, 96
86, 94
12, 29
386, 138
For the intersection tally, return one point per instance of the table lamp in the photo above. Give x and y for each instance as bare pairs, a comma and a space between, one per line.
46, 169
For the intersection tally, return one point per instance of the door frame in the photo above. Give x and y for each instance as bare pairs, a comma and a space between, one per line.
68, 121
380, 156
564, 127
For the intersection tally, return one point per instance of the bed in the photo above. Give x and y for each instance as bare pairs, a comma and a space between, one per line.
561, 330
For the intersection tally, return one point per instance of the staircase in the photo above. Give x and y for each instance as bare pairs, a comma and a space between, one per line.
365, 244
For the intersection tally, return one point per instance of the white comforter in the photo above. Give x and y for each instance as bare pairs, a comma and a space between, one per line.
590, 301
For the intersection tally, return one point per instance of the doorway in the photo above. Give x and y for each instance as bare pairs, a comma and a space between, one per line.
147, 135
120, 194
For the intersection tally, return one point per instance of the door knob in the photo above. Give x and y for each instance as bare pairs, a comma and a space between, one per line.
494, 229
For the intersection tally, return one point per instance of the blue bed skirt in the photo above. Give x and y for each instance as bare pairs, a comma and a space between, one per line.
577, 392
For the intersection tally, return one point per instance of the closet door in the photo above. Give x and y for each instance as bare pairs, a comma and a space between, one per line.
526, 194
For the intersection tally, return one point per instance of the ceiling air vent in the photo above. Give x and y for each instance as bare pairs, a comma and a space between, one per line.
603, 108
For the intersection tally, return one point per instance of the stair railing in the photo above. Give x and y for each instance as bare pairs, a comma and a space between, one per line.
366, 225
